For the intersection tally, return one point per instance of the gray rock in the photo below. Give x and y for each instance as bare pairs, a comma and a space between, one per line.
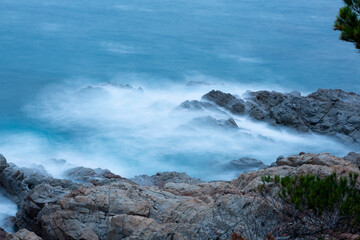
244, 164
195, 105
353, 158
226, 100
274, 164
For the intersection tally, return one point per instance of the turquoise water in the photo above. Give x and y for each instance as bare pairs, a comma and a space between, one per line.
51, 49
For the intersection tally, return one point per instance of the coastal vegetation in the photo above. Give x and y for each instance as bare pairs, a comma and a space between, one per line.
312, 205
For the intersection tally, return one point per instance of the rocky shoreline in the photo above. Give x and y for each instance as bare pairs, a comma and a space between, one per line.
92, 204
170, 205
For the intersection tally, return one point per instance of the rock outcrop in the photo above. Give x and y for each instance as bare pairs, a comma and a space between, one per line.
331, 112
164, 206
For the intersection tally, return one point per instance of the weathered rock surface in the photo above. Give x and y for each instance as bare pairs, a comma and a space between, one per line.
331, 112
164, 206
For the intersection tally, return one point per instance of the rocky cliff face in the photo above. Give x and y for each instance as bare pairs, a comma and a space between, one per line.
164, 206
331, 112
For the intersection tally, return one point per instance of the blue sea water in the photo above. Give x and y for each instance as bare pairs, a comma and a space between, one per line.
51, 49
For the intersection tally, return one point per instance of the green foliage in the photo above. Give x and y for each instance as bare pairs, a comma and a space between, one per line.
348, 22
329, 194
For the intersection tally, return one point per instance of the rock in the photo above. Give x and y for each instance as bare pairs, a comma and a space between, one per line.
24, 234
101, 89
195, 105
244, 163
123, 86
226, 100
89, 175
160, 179
353, 158
274, 164
213, 123
323, 164
2, 233
323, 159
167, 205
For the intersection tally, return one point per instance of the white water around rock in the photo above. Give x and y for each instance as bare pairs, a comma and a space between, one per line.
7, 209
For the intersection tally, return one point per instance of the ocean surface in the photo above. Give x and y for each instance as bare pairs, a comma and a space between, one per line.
174, 50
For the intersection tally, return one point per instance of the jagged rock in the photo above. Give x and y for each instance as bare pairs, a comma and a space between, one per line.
19, 181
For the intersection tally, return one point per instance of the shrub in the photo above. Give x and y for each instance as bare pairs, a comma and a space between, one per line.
313, 205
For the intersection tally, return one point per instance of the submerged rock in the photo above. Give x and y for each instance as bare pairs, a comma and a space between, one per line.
213, 123
244, 164
101, 88
195, 105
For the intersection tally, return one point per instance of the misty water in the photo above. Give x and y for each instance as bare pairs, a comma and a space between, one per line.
51, 50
